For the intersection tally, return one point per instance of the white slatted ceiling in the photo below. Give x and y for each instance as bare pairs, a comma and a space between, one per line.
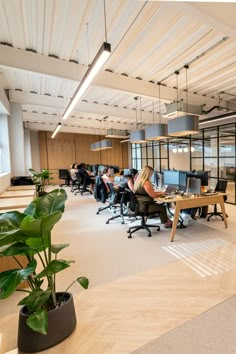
151, 44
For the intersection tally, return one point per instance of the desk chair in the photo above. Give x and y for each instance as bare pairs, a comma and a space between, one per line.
119, 201
82, 184
135, 208
220, 187
64, 174
101, 195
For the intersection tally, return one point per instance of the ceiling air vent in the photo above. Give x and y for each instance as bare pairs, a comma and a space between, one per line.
181, 109
116, 133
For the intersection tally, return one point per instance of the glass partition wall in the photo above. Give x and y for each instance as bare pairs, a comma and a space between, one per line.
212, 150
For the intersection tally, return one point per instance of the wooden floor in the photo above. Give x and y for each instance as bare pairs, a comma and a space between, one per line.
124, 314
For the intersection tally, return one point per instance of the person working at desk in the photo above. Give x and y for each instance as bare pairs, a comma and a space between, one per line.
88, 180
144, 192
128, 180
73, 171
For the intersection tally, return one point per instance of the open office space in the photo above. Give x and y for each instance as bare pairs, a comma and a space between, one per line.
164, 96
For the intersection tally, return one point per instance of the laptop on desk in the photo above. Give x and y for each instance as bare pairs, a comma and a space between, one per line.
170, 190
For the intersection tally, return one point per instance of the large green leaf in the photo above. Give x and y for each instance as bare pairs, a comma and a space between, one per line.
9, 228
35, 299
48, 203
83, 281
40, 229
10, 279
12, 218
53, 267
9, 237
16, 248
57, 248
38, 321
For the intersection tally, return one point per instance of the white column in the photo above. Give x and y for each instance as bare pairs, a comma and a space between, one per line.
17, 144
28, 158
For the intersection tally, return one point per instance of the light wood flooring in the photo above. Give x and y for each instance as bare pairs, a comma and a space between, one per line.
141, 288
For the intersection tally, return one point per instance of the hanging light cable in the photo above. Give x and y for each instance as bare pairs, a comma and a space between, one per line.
138, 136
157, 131
97, 63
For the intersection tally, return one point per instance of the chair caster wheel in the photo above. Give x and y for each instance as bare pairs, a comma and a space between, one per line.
97, 212
130, 236
149, 235
122, 222
107, 222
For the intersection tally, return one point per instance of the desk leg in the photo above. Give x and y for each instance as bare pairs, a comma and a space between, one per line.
175, 222
222, 205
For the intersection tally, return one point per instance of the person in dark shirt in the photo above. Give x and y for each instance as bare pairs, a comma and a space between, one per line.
87, 179
144, 192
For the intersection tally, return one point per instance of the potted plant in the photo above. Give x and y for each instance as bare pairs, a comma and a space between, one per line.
41, 180
29, 234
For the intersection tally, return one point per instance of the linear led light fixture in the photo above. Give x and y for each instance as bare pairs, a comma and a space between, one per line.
58, 127
97, 63
217, 119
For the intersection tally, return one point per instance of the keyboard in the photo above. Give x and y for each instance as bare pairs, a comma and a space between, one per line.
209, 193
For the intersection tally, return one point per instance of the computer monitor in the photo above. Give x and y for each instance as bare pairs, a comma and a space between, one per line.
111, 172
89, 167
116, 168
154, 178
171, 177
100, 168
194, 185
127, 172
183, 180
202, 175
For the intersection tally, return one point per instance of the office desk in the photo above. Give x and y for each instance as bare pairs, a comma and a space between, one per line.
14, 203
193, 202
17, 193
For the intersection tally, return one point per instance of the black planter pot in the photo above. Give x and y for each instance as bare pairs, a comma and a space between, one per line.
61, 323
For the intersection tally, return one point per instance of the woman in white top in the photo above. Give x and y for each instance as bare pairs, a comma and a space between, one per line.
73, 171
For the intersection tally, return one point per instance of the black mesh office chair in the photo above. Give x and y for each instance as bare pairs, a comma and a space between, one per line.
220, 187
119, 201
64, 174
83, 184
102, 195
135, 208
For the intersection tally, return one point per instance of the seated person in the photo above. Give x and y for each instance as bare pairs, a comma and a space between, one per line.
73, 171
144, 192
106, 177
86, 175
130, 179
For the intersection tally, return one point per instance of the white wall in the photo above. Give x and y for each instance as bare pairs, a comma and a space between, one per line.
5, 181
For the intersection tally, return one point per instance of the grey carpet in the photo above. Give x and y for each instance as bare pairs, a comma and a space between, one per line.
212, 332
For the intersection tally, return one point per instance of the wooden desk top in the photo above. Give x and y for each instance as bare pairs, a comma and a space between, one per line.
186, 202
15, 203
21, 188
17, 193
207, 199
